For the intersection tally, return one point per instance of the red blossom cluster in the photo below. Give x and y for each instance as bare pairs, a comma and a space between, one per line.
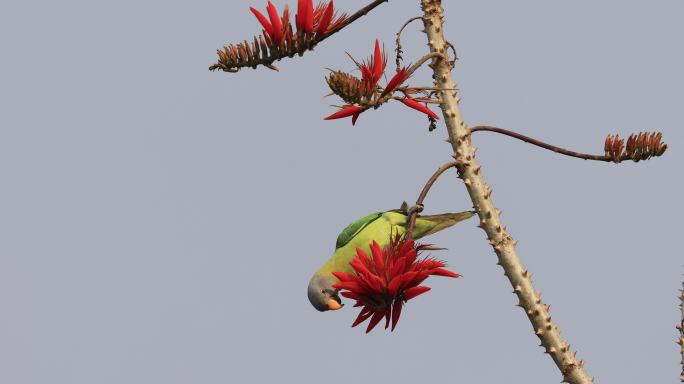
383, 282
372, 70
309, 20
279, 39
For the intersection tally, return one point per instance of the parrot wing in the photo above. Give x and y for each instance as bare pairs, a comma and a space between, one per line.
354, 228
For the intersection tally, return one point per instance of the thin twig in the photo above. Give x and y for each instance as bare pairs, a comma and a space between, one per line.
420, 100
640, 146
413, 213
399, 47
538, 313
562, 151
254, 55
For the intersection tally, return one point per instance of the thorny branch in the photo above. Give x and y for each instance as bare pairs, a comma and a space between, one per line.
680, 327
504, 246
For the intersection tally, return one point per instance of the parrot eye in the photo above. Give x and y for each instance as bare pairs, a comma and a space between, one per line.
322, 290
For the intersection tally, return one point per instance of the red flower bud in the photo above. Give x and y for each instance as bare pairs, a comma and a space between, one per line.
346, 111
268, 28
409, 102
327, 18
275, 22
395, 81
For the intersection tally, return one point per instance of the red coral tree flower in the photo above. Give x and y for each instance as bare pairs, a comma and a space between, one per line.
362, 94
382, 283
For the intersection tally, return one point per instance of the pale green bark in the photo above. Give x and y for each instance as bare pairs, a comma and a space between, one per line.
459, 135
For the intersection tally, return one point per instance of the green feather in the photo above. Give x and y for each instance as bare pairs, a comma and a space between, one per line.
354, 228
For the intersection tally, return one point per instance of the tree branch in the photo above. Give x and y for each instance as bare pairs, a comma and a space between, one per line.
548, 332
399, 49
562, 151
614, 153
681, 330
265, 52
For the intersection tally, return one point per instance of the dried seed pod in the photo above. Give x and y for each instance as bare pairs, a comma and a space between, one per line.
644, 145
640, 146
349, 88
614, 147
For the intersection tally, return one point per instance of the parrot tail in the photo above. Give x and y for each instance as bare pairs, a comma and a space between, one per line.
427, 225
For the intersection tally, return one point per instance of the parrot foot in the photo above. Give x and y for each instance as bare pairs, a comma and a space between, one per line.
418, 208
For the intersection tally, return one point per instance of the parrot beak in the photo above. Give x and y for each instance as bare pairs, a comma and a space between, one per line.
334, 305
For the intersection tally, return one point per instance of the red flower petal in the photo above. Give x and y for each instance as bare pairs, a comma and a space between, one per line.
396, 312
275, 22
409, 102
395, 81
378, 257
268, 28
393, 286
378, 63
363, 316
414, 291
377, 283
420, 277
431, 264
352, 286
286, 27
407, 278
377, 316
309, 17
351, 295
388, 314
411, 257
398, 267
444, 272
343, 276
366, 73
346, 111
327, 18
408, 245
355, 117
301, 13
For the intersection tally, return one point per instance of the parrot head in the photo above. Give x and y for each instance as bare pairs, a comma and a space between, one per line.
322, 295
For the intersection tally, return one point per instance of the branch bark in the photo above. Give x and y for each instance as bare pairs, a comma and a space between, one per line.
504, 246
681, 330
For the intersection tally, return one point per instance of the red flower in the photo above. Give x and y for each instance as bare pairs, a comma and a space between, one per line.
346, 111
411, 103
382, 283
373, 69
395, 81
308, 20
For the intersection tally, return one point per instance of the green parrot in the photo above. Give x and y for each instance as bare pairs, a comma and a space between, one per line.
379, 227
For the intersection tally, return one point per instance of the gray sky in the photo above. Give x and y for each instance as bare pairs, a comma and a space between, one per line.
159, 222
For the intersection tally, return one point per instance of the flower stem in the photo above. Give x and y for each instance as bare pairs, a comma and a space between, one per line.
413, 213
562, 151
548, 332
